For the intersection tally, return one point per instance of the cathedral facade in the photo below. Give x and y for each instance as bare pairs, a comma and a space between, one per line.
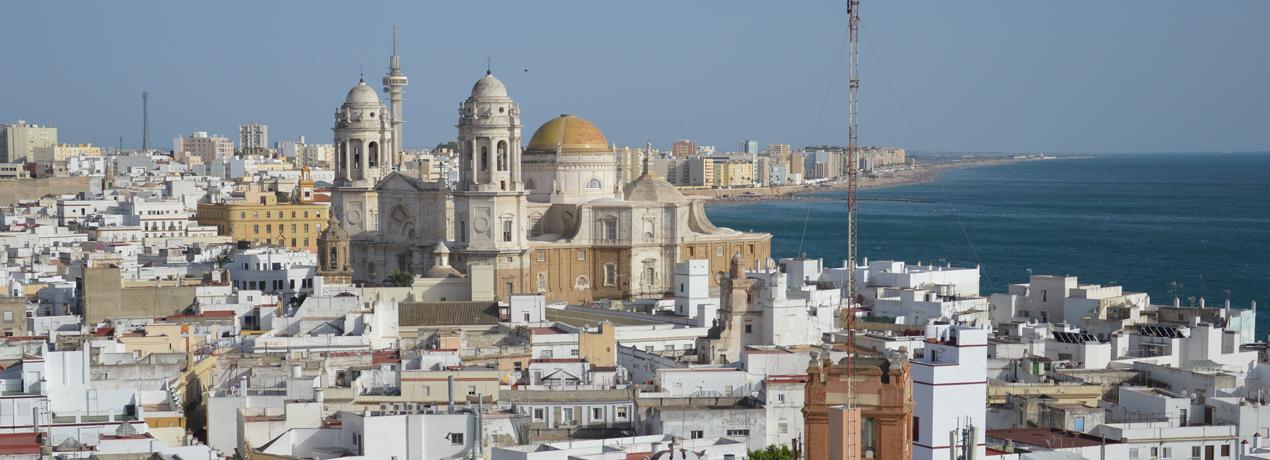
548, 216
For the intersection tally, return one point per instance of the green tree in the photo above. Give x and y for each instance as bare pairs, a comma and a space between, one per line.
773, 452
400, 278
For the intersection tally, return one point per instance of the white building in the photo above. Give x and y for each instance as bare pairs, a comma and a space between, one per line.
273, 270
403, 437
692, 292
950, 386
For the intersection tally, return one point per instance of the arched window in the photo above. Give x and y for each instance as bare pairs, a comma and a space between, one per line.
333, 261
484, 159
542, 282
593, 184
342, 162
582, 283
373, 154
530, 184
502, 155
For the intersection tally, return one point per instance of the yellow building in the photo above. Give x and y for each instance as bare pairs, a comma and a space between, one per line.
60, 152
260, 218
734, 173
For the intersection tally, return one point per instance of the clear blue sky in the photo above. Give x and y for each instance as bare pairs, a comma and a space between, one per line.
1082, 76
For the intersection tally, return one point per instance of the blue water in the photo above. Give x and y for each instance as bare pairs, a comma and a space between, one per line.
1144, 221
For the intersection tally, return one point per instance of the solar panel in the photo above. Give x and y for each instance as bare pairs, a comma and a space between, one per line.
1158, 330
1075, 337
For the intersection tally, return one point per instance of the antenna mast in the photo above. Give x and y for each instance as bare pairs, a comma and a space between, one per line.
145, 121
853, 169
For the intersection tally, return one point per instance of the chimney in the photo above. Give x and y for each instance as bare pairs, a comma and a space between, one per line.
450, 393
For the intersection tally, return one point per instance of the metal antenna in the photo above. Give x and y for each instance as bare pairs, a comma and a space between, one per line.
145, 121
853, 100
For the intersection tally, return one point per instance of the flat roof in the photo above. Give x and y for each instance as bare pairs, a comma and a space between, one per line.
1049, 438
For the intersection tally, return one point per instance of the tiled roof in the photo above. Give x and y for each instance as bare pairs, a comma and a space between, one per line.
415, 314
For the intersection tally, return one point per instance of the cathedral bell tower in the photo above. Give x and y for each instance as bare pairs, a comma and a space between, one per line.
489, 202
333, 253
363, 155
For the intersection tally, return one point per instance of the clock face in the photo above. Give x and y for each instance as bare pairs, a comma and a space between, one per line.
480, 225
353, 217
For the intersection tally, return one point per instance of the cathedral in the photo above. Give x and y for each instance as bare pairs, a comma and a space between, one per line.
549, 216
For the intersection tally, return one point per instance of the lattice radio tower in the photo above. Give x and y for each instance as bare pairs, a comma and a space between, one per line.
853, 171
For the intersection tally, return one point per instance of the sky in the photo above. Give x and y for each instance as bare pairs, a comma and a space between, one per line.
982, 76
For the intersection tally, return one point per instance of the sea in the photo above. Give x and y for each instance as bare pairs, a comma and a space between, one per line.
1171, 225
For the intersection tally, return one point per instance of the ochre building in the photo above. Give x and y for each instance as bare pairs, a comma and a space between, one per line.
259, 217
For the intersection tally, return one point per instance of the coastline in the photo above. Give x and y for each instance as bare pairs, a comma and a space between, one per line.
919, 174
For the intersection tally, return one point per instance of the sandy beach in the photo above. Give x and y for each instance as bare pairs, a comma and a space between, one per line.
920, 173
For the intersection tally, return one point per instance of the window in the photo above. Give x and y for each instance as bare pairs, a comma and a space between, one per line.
697, 434
566, 417
1167, 452
1225, 450
255, 229
542, 256
538, 414
542, 281
620, 413
507, 230
738, 432
917, 427
1195, 451
610, 274
718, 251
573, 352
780, 397
593, 184
608, 229
1133, 452
581, 254
456, 439
597, 414
782, 427
8, 317
749, 328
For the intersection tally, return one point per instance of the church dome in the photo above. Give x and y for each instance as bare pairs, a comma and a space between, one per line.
569, 134
361, 94
488, 86
654, 189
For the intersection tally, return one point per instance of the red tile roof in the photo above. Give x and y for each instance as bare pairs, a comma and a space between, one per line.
19, 443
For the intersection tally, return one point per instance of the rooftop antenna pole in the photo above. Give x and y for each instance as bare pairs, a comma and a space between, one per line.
145, 121
853, 99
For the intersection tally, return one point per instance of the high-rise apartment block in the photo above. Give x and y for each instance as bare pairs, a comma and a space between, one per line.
19, 140
683, 148
253, 138
207, 148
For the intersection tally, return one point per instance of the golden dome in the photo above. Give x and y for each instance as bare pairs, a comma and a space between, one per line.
568, 134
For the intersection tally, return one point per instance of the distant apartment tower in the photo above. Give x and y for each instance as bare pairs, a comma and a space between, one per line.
18, 141
749, 146
778, 150
61, 152
683, 148
253, 138
203, 147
